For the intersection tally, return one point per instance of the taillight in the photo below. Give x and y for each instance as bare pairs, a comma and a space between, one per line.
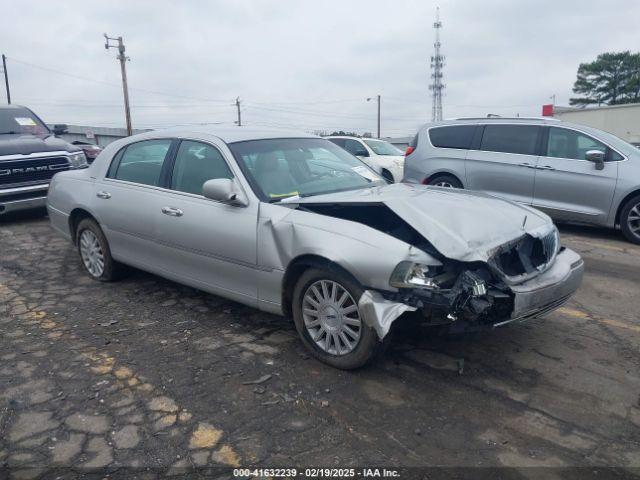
409, 151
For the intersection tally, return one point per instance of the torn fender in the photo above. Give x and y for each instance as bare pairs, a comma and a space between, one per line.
379, 313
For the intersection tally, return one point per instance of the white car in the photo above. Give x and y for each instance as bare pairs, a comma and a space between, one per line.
382, 156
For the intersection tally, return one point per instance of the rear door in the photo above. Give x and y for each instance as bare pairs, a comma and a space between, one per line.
126, 201
569, 187
502, 161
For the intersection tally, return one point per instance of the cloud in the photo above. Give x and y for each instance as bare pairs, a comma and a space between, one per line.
308, 65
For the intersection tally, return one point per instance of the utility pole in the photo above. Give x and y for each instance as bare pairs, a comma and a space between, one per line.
6, 77
437, 63
125, 89
378, 98
239, 121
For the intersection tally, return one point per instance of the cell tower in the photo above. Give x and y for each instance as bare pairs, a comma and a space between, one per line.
437, 63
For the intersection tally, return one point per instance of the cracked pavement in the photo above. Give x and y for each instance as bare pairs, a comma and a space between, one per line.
150, 375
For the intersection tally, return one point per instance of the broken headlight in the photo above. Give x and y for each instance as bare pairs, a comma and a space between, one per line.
413, 275
77, 160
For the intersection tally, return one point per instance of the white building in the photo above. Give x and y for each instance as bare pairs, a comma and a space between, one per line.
621, 120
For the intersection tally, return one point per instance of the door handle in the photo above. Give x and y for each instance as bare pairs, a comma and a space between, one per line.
528, 165
172, 211
103, 194
546, 167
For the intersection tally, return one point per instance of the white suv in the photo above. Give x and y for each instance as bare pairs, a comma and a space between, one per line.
382, 156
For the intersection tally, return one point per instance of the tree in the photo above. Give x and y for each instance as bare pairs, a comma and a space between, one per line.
612, 79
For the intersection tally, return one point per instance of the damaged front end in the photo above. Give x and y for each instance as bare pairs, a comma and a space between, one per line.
475, 296
490, 262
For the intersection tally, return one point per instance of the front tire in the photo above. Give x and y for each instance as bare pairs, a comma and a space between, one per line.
630, 220
95, 254
327, 318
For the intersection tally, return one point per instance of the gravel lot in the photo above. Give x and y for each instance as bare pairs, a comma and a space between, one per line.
149, 374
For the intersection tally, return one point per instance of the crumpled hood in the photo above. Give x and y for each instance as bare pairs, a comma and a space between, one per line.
25, 144
460, 224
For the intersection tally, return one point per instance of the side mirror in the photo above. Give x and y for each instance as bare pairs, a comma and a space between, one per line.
60, 128
361, 153
223, 190
597, 157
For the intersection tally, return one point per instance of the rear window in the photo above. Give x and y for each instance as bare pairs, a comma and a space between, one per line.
459, 136
520, 139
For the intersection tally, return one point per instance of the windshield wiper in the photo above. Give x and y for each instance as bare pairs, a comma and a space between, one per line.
8, 133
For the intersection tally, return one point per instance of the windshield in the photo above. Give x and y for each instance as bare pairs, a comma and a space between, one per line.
20, 120
281, 168
381, 147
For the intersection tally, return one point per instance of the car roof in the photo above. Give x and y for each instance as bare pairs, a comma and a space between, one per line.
227, 134
356, 138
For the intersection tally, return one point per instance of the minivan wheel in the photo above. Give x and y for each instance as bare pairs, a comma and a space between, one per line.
446, 181
327, 318
630, 220
95, 253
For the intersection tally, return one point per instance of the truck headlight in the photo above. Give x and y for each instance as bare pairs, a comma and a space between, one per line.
412, 275
77, 160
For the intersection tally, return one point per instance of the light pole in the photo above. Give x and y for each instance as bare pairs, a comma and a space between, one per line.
6, 77
378, 98
125, 89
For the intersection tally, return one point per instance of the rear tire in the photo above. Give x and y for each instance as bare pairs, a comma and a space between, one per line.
342, 349
95, 254
630, 220
445, 181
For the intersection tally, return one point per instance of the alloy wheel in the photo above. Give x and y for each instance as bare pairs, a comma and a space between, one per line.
331, 317
633, 219
91, 253
443, 183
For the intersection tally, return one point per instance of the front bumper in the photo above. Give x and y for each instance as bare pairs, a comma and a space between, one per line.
529, 299
23, 198
549, 290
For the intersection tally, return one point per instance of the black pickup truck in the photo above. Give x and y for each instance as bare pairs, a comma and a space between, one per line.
30, 154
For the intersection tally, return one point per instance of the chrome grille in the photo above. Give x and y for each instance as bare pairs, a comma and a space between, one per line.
525, 257
31, 170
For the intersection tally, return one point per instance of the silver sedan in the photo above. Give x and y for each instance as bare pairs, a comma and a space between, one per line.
291, 224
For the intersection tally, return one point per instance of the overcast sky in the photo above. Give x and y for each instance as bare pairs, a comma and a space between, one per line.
303, 64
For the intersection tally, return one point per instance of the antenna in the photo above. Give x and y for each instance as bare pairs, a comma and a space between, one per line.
437, 64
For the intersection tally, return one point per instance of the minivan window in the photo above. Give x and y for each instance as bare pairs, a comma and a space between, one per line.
141, 162
564, 143
459, 136
196, 163
520, 139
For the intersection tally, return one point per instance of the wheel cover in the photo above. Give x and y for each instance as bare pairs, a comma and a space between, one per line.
633, 219
331, 317
91, 253
443, 183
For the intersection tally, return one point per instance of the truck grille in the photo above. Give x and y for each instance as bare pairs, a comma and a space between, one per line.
31, 171
527, 256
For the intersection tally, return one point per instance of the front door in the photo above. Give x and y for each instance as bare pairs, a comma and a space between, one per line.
569, 187
208, 244
504, 162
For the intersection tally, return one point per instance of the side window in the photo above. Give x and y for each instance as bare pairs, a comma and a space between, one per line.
565, 143
354, 147
520, 139
338, 141
452, 137
140, 162
195, 164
